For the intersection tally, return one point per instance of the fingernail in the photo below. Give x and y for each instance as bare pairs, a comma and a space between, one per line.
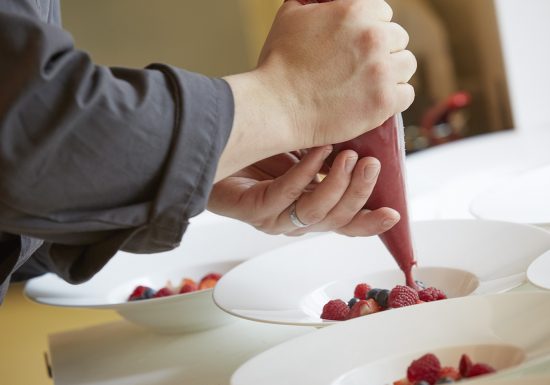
327, 150
350, 164
371, 171
389, 222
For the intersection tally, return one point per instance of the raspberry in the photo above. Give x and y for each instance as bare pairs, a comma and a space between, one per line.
426, 368
164, 292
449, 372
363, 307
431, 294
361, 291
480, 369
335, 310
401, 296
464, 365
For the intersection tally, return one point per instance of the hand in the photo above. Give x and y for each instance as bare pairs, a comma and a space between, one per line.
327, 73
262, 194
340, 64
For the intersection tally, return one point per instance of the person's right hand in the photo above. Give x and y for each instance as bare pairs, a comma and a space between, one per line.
328, 72
341, 66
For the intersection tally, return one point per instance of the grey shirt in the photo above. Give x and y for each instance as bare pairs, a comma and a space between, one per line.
96, 159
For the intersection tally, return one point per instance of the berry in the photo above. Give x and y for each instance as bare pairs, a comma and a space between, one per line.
445, 380
426, 368
382, 298
361, 291
164, 292
480, 369
352, 302
335, 310
449, 372
431, 294
215, 276
372, 293
421, 285
363, 307
402, 296
141, 292
188, 286
209, 281
402, 381
464, 365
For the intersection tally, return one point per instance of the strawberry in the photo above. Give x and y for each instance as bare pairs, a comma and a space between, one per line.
464, 365
361, 291
363, 307
402, 296
431, 294
402, 381
480, 369
426, 368
209, 281
335, 310
449, 372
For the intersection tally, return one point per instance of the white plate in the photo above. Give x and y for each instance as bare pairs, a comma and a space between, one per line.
210, 245
504, 330
290, 285
522, 197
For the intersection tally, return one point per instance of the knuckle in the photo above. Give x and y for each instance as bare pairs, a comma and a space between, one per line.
372, 38
312, 216
292, 193
379, 70
384, 100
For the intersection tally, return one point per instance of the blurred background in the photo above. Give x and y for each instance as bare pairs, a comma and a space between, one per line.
460, 84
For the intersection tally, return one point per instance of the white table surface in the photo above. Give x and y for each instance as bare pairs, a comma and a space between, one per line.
441, 183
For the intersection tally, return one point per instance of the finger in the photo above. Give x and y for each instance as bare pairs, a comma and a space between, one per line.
367, 223
375, 9
404, 65
277, 165
404, 97
355, 197
314, 207
398, 37
288, 187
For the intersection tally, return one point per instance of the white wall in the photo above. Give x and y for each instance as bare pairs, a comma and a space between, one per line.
525, 35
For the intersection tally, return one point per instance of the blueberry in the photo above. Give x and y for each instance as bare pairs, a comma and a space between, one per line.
382, 297
445, 380
372, 293
352, 302
420, 284
148, 293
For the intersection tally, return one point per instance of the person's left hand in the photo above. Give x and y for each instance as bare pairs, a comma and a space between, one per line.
263, 195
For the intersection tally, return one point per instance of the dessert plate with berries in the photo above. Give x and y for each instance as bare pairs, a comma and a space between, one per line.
465, 339
331, 278
168, 292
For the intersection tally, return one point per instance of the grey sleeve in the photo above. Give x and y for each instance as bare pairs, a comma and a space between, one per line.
94, 159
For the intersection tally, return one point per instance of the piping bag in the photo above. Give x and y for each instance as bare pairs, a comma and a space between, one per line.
387, 144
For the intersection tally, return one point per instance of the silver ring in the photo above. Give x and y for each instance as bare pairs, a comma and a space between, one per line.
294, 217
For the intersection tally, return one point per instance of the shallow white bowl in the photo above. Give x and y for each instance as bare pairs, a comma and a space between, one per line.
290, 285
508, 331
212, 244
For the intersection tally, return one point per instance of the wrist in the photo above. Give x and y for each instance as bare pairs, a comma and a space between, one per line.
264, 123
